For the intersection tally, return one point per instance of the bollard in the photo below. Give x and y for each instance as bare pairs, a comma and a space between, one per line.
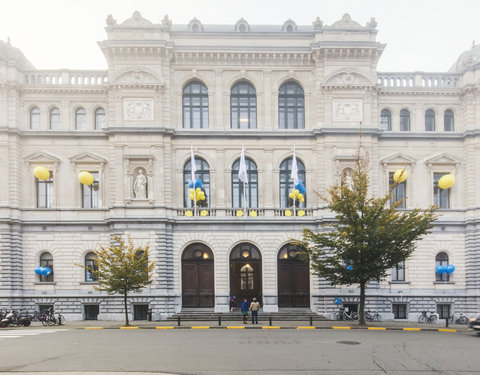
178, 321
270, 320
219, 320
311, 321
446, 322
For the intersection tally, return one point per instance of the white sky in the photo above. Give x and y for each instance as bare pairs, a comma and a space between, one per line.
421, 35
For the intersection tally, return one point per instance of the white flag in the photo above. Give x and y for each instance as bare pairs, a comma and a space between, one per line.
193, 165
242, 170
294, 174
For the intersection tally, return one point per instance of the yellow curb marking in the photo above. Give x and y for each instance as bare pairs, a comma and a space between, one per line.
235, 327
446, 330
93, 328
412, 329
377, 328
201, 327
307, 327
128, 327
164, 327
268, 327
341, 327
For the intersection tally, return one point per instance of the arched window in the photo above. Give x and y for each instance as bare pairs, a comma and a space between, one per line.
386, 120
203, 173
291, 106
441, 260
80, 119
46, 260
243, 106
55, 119
448, 121
35, 118
91, 265
99, 118
441, 197
429, 121
286, 182
251, 189
404, 120
195, 106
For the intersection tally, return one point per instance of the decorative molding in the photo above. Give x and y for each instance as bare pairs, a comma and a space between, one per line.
42, 158
443, 158
347, 109
87, 158
346, 78
398, 158
138, 109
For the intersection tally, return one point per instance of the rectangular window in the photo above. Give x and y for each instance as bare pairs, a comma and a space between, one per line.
45, 192
44, 308
400, 192
399, 310
398, 272
90, 192
140, 312
441, 197
443, 311
91, 312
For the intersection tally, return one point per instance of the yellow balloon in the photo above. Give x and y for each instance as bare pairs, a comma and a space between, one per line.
239, 213
446, 181
191, 197
41, 173
301, 213
288, 213
204, 213
253, 213
302, 200
192, 191
400, 175
85, 178
290, 195
189, 213
198, 190
300, 196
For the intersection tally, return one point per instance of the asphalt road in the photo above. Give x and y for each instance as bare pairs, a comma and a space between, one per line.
239, 351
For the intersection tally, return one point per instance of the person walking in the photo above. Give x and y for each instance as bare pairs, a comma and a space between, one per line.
233, 303
254, 307
245, 311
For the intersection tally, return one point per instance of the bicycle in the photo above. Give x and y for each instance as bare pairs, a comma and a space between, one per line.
427, 317
373, 316
344, 315
461, 319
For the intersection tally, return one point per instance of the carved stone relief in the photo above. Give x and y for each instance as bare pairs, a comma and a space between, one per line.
138, 109
347, 110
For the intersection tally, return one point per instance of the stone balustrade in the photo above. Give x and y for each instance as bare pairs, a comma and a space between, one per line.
419, 80
66, 77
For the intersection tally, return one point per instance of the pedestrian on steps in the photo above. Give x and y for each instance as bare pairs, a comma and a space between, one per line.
233, 303
254, 307
245, 311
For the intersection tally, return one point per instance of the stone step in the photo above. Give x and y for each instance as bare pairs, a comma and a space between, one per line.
236, 315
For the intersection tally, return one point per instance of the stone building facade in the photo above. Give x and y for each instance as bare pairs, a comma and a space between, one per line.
170, 89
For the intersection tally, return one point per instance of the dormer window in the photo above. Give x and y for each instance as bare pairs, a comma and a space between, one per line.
242, 26
195, 26
289, 26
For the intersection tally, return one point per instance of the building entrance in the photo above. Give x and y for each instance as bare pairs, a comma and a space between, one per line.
246, 273
293, 278
198, 288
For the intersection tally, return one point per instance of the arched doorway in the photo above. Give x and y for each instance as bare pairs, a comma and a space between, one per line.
293, 278
246, 272
198, 276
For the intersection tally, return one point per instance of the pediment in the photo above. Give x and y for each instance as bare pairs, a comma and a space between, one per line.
137, 76
398, 158
347, 78
345, 23
136, 20
42, 157
443, 158
87, 158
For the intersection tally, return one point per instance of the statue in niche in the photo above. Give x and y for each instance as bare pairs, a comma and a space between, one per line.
140, 185
347, 179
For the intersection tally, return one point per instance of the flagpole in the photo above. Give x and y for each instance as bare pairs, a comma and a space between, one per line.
194, 168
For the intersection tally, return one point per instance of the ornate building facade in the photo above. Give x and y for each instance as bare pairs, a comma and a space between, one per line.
215, 88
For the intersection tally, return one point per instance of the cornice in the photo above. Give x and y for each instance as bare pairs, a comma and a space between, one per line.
417, 91
59, 89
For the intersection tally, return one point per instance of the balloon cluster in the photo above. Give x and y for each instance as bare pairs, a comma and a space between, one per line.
445, 269
298, 192
196, 192
43, 271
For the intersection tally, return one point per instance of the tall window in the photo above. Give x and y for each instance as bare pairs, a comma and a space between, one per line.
80, 119
386, 120
441, 197
90, 192
203, 173
291, 106
55, 119
91, 265
441, 260
45, 192
404, 120
286, 182
398, 271
251, 189
195, 106
429, 121
35, 118
448, 121
243, 106
46, 260
99, 118
399, 193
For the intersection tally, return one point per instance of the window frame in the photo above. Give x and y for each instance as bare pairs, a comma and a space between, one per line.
80, 119
397, 314
203, 173
46, 262
429, 120
188, 94
442, 259
388, 123
55, 119
90, 262
451, 122
35, 120
236, 110
286, 184
398, 272
251, 187
92, 191
441, 196
297, 106
48, 196
397, 193
97, 116
405, 120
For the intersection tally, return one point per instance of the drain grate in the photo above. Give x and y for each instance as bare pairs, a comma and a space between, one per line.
348, 342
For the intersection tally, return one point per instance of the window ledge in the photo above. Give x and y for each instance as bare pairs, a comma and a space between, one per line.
44, 283
89, 283
444, 282
399, 282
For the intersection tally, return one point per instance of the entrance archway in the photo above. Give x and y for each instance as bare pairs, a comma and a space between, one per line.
198, 278
246, 272
293, 278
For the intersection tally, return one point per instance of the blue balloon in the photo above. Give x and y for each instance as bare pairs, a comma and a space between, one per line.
350, 267
198, 183
45, 271
299, 185
440, 269
38, 270
450, 268
190, 184
303, 190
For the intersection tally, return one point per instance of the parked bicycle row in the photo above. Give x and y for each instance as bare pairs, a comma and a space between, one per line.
17, 318
345, 314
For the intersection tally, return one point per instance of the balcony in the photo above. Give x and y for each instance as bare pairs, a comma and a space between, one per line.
89, 78
419, 80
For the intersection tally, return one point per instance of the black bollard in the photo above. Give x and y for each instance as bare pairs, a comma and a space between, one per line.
219, 320
270, 320
446, 322
178, 321
311, 321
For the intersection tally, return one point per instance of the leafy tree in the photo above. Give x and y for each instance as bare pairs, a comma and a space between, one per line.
368, 237
123, 268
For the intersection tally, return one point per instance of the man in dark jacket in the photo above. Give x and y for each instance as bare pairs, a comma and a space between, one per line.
245, 311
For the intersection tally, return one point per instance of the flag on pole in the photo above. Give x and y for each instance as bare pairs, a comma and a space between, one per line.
242, 170
193, 165
294, 174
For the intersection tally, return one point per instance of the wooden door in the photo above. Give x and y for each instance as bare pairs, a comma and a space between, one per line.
190, 285
247, 283
205, 284
293, 284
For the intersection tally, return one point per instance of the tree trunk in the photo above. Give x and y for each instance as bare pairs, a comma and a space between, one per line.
361, 310
125, 307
